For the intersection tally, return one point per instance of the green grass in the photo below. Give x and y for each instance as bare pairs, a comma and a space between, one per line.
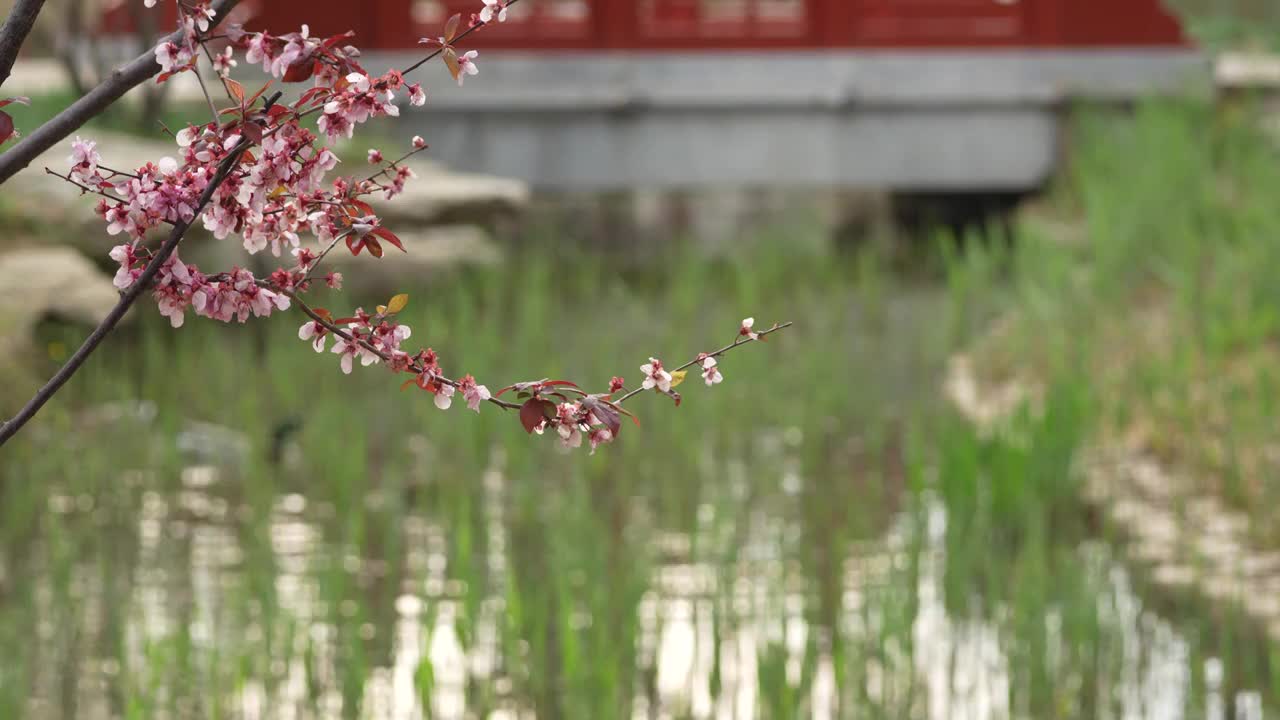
1231, 24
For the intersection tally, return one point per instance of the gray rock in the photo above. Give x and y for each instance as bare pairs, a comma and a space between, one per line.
39, 283
438, 196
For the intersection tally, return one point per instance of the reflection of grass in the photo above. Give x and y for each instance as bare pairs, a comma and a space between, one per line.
386, 475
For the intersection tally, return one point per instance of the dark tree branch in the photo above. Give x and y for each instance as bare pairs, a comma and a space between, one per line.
94, 102
14, 33
127, 299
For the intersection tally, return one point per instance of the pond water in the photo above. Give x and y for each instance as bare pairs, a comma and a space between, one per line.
205, 607
217, 523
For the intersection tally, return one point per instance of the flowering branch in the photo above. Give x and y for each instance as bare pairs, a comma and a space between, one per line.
279, 190
741, 339
121, 81
416, 367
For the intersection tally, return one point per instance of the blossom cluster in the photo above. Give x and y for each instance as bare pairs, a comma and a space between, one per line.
259, 172
178, 286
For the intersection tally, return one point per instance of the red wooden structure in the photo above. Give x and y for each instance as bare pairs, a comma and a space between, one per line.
712, 25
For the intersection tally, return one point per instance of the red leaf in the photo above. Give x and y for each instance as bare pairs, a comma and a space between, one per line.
21, 100
236, 90
362, 206
300, 71
389, 236
550, 383
306, 97
533, 412
375, 247
253, 131
408, 383
605, 412
451, 27
6, 127
261, 90
335, 39
355, 244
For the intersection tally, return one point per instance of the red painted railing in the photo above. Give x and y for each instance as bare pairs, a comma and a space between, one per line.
743, 24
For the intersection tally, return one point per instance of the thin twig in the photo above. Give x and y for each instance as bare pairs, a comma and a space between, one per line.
328, 325
86, 188
113, 171
738, 342
435, 54
323, 254
331, 327
213, 109
395, 164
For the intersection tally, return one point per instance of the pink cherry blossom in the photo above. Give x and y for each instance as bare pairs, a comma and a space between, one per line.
84, 158
599, 436
224, 61
417, 97
655, 376
616, 384
333, 280
175, 58
487, 14
745, 330
203, 14
418, 142
467, 65
127, 274
347, 349
315, 332
569, 422
444, 397
375, 157
473, 393
710, 373
396, 185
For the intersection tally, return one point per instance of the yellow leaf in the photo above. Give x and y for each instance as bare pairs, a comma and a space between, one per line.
677, 377
382, 309
397, 303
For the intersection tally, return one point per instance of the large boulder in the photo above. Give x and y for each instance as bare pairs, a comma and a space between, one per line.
439, 196
40, 283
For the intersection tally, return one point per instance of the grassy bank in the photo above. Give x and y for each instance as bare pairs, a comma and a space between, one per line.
1161, 295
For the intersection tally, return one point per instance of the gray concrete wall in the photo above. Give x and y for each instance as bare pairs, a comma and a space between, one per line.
912, 121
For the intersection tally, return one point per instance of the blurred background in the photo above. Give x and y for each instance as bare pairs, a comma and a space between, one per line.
1016, 458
